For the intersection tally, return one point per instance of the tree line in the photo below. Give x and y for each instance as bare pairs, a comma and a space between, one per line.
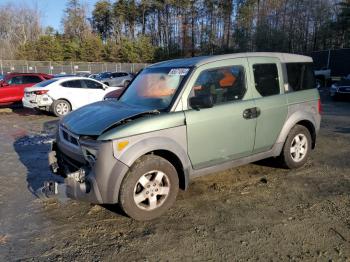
153, 30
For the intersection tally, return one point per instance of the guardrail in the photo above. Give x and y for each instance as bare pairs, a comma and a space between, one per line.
68, 67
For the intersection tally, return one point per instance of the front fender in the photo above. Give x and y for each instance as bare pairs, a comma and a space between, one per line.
172, 140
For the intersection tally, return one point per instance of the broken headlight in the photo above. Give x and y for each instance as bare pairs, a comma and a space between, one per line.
89, 147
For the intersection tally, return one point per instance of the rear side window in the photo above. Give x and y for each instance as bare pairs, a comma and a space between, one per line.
266, 79
92, 84
31, 79
300, 76
115, 75
16, 80
119, 74
72, 84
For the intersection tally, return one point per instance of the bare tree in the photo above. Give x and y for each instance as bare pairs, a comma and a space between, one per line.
18, 25
74, 21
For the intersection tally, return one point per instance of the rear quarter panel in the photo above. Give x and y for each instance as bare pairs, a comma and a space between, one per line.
59, 92
302, 105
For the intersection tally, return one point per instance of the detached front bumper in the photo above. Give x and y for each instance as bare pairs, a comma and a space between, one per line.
96, 184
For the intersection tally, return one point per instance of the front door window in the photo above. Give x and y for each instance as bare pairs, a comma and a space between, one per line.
220, 133
224, 84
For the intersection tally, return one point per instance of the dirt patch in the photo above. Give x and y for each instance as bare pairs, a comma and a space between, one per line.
253, 212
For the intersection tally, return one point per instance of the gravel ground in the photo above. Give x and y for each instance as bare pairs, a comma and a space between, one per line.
254, 212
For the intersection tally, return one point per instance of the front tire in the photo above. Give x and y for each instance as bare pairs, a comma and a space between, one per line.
297, 147
149, 188
61, 107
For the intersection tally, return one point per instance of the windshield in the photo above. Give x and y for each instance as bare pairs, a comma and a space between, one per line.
105, 75
154, 87
46, 83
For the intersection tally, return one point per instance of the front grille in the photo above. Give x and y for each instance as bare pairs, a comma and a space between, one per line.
70, 163
344, 89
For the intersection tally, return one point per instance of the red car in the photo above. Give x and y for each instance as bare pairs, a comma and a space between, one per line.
114, 95
13, 84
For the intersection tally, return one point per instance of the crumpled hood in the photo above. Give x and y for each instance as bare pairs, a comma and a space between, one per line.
95, 118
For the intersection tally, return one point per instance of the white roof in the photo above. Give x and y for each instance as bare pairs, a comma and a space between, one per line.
197, 61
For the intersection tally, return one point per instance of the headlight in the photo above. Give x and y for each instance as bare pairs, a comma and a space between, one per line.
334, 87
89, 148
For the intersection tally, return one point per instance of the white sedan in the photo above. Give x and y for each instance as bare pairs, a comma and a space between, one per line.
62, 95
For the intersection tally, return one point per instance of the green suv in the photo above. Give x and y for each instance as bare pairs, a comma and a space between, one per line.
185, 118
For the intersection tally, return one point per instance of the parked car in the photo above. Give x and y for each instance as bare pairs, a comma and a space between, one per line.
62, 95
83, 73
13, 85
94, 76
64, 75
341, 89
323, 77
185, 118
116, 79
103, 75
114, 95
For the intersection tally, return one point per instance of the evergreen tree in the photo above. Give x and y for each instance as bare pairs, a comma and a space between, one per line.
102, 19
91, 49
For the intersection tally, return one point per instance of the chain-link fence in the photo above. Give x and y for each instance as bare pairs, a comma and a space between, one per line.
65, 67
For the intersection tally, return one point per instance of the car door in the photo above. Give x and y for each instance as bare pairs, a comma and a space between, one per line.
117, 79
268, 92
75, 92
223, 132
11, 90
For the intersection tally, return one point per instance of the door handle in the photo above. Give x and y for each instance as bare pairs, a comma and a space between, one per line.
256, 112
247, 113
250, 113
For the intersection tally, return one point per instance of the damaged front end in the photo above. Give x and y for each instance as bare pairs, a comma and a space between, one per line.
90, 169
77, 183
76, 159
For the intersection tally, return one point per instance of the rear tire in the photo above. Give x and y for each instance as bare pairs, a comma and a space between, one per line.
61, 107
296, 148
149, 188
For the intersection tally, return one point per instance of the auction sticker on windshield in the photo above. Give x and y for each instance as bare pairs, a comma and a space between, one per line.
179, 71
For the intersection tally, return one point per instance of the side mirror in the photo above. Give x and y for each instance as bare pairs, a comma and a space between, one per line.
201, 101
4, 84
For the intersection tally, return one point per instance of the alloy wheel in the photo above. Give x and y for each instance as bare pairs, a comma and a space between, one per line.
299, 147
62, 108
151, 190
